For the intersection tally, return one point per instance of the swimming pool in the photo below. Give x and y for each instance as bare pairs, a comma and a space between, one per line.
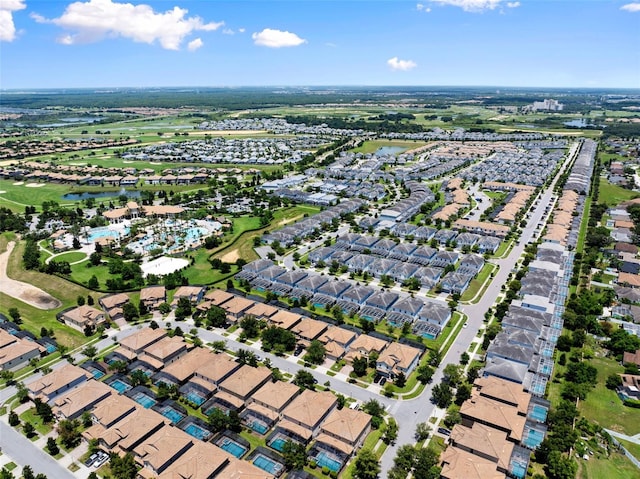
233, 448
518, 470
51, 348
195, 398
259, 427
278, 444
196, 431
266, 464
97, 374
144, 400
172, 415
119, 386
533, 438
98, 233
324, 460
539, 413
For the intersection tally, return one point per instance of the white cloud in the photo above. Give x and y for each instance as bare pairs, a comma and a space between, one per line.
330, 44
421, 7
228, 31
401, 65
193, 45
242, 30
96, 19
276, 38
477, 5
631, 7
7, 27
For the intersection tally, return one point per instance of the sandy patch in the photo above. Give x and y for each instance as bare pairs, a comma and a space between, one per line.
127, 161
23, 291
78, 164
231, 257
18, 183
2, 192
35, 185
163, 265
155, 162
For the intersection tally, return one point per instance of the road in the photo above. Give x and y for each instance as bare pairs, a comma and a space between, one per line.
409, 413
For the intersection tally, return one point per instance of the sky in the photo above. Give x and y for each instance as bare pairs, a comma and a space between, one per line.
149, 43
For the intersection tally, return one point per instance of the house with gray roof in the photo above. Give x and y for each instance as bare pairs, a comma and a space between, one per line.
435, 313
383, 247
424, 233
334, 288
505, 369
444, 236
291, 278
409, 306
428, 276
272, 272
402, 271
364, 242
471, 264
467, 239
442, 259
312, 283
404, 229
402, 251
500, 347
380, 266
488, 244
382, 300
341, 256
454, 282
359, 262
357, 294
320, 254
423, 255
347, 240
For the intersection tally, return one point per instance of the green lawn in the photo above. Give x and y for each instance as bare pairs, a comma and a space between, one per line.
71, 256
31, 416
478, 282
373, 145
615, 466
604, 407
19, 195
613, 195
632, 447
583, 225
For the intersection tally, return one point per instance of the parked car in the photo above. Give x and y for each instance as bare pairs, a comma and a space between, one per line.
92, 458
383, 381
102, 458
444, 431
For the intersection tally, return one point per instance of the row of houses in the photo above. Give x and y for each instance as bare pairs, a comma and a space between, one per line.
428, 317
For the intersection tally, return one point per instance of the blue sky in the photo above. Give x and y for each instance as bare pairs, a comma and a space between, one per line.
143, 43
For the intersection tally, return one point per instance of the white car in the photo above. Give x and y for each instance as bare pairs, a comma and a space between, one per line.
465, 325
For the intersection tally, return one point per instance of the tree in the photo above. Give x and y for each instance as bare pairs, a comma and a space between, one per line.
14, 419
373, 408
44, 411
295, 455
442, 395
138, 377
218, 420
216, 317
52, 446
250, 326
366, 465
234, 423
80, 300
463, 393
304, 379
27, 472
183, 308
359, 365
90, 351
391, 432
560, 467
423, 430
130, 312
425, 373
85, 419
93, 282
28, 429
315, 352
453, 417
123, 467
15, 315
400, 380
22, 393
613, 381
7, 376
68, 433
451, 374
6, 474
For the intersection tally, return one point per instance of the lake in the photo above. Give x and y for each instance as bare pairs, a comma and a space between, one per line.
100, 194
389, 150
577, 123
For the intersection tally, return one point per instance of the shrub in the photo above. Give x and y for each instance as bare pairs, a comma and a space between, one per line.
313, 464
325, 470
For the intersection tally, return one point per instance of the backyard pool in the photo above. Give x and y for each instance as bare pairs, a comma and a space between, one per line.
198, 432
259, 427
172, 415
539, 413
518, 470
195, 398
325, 460
119, 386
266, 464
533, 438
144, 400
232, 447
278, 443
96, 373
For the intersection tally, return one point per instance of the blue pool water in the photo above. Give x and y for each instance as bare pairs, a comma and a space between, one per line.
197, 432
196, 232
233, 448
323, 460
533, 438
97, 374
518, 470
194, 397
259, 427
144, 400
539, 413
266, 464
119, 386
278, 444
51, 348
98, 233
172, 415
429, 336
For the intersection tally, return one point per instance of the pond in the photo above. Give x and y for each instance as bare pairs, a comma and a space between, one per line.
100, 194
577, 123
389, 150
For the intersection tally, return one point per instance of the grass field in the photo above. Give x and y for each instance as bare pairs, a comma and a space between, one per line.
632, 447
373, 145
613, 195
615, 466
478, 282
71, 256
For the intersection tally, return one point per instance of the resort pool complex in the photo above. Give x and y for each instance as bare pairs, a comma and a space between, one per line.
324, 460
266, 464
119, 386
197, 431
232, 447
98, 233
144, 400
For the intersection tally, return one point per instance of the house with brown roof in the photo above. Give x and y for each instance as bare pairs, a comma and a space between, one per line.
217, 297
193, 293
157, 452
201, 461
504, 391
82, 316
111, 410
309, 409
501, 416
237, 307
113, 304
632, 358
397, 358
268, 402
15, 353
215, 368
459, 464
56, 382
262, 311
164, 352
363, 346
153, 296
628, 279
178, 372
285, 319
347, 426
245, 381
484, 442
308, 329
239, 469
134, 345
72, 404
132, 430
